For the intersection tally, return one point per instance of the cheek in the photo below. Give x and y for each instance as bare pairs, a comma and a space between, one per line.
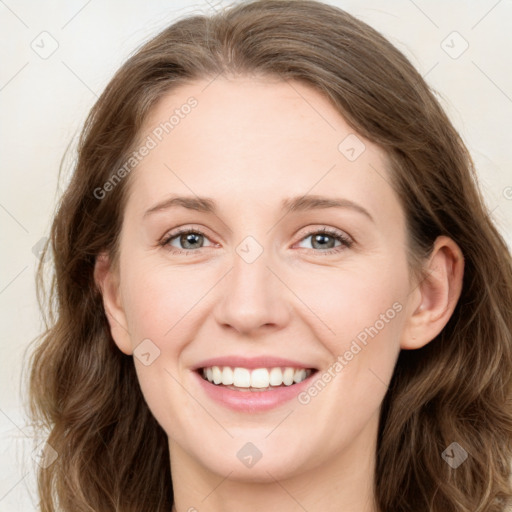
352, 302
158, 308
157, 300
362, 315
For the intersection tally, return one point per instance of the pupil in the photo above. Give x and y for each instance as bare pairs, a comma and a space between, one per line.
189, 239
321, 239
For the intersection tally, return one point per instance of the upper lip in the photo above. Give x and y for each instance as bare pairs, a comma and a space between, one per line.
251, 362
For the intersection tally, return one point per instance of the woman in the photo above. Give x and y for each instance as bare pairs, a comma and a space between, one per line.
276, 285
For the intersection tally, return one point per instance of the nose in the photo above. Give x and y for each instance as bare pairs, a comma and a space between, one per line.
253, 297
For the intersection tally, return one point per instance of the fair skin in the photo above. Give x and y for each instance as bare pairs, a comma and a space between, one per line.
249, 144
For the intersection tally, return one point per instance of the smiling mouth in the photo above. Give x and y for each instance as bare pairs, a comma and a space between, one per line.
258, 379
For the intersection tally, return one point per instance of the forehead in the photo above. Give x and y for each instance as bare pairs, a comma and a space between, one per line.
247, 113
252, 138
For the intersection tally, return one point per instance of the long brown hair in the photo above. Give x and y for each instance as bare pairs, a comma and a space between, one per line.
112, 454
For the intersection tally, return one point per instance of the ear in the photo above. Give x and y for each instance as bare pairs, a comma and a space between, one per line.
107, 279
435, 296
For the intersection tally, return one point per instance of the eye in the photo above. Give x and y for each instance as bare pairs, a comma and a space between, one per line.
325, 240
188, 239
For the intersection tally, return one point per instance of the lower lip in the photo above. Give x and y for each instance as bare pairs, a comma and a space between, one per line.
252, 401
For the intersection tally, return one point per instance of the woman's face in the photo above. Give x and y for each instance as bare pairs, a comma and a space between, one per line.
256, 285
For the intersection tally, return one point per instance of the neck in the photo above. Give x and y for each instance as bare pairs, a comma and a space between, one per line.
344, 483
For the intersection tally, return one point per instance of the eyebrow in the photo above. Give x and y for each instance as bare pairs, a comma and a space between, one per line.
290, 205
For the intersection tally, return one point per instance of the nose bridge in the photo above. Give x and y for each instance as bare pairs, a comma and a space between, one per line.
253, 297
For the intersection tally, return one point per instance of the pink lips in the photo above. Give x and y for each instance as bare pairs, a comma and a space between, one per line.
251, 401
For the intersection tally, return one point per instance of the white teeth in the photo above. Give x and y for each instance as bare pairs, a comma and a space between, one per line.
242, 378
288, 376
299, 375
259, 378
276, 377
227, 376
217, 375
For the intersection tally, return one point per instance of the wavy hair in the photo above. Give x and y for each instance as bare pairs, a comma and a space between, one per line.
84, 392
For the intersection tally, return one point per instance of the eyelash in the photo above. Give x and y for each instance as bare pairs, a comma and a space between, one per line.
346, 242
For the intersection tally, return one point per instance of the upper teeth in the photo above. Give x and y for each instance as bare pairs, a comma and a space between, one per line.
257, 378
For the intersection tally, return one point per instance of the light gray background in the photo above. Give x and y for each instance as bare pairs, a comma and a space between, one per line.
44, 100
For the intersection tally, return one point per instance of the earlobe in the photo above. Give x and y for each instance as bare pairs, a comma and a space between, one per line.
107, 281
436, 295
